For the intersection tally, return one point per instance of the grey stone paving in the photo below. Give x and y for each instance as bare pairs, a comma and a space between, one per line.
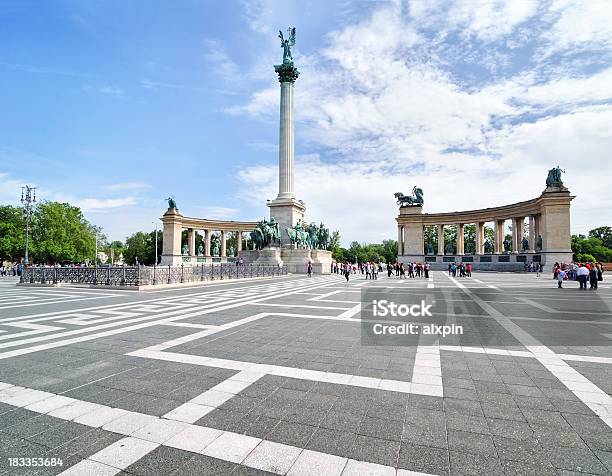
498, 413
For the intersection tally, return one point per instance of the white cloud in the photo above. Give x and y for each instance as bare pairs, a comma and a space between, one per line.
217, 213
582, 24
114, 91
126, 186
97, 204
222, 64
484, 19
389, 115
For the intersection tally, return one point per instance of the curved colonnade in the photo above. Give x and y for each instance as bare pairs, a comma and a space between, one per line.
548, 240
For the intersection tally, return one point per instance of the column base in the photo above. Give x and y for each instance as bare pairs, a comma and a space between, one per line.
287, 213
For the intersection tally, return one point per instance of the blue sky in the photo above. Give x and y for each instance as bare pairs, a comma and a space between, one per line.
116, 105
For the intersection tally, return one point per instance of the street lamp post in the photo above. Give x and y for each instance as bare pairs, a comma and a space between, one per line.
28, 197
155, 264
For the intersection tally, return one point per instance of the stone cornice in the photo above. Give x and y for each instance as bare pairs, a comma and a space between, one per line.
206, 224
505, 212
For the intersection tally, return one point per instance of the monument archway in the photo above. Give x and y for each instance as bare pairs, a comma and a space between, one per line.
545, 239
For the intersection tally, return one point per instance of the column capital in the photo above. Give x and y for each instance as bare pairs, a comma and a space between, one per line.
287, 72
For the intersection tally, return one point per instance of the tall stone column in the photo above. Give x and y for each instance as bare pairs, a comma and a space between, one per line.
440, 239
499, 236
223, 243
518, 224
400, 240
207, 234
532, 234
285, 208
238, 241
480, 238
191, 241
460, 239
286, 142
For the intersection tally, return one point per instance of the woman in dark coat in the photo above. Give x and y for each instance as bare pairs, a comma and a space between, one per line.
593, 277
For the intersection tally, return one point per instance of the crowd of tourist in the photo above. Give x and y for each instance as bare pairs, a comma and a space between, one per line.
11, 270
585, 273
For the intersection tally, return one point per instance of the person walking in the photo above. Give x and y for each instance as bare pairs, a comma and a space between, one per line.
593, 277
346, 272
309, 269
426, 270
560, 278
468, 270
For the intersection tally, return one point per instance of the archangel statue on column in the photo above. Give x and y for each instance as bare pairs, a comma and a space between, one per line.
287, 44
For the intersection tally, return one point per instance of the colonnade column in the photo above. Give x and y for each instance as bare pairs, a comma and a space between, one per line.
400, 240
460, 239
238, 241
517, 233
480, 238
223, 243
499, 236
191, 241
532, 235
440, 239
207, 234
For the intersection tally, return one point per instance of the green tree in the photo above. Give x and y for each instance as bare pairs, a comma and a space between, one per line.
137, 248
592, 246
450, 237
12, 233
389, 251
430, 233
141, 246
61, 234
114, 250
604, 233
469, 233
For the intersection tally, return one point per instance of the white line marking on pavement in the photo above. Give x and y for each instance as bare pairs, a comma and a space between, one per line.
145, 434
591, 395
150, 321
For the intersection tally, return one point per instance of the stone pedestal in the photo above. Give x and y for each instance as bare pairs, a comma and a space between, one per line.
173, 226
248, 256
269, 256
413, 247
296, 260
321, 261
287, 212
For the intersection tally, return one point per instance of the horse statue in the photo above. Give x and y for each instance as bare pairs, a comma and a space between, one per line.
323, 237
257, 238
274, 230
416, 200
313, 239
298, 236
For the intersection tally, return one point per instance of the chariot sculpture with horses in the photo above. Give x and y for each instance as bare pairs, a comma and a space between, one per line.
416, 200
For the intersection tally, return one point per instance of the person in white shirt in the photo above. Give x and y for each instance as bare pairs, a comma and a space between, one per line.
581, 273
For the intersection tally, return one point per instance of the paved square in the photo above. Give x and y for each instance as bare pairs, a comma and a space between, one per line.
273, 376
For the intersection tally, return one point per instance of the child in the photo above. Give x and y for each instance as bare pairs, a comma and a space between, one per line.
560, 277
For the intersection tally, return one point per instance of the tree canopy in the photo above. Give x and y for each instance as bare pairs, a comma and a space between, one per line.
59, 233
12, 233
141, 246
